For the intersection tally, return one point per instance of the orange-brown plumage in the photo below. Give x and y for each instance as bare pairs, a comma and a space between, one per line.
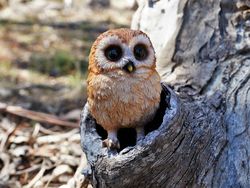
119, 98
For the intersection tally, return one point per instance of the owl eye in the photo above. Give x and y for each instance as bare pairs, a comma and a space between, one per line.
140, 52
113, 52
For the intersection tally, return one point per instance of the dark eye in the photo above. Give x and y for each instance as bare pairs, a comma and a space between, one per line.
140, 52
113, 52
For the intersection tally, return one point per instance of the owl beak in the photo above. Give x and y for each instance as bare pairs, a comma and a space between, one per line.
129, 67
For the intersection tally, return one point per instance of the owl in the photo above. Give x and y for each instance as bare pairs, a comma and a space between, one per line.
123, 86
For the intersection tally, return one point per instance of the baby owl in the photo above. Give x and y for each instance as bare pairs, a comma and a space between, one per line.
123, 85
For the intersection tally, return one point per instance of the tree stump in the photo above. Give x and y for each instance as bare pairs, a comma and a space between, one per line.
201, 137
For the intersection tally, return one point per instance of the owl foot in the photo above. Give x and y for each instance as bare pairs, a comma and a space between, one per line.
111, 144
112, 141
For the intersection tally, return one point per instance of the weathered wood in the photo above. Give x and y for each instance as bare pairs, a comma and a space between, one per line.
37, 116
205, 141
165, 155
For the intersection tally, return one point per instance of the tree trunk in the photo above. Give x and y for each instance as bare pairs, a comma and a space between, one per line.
201, 136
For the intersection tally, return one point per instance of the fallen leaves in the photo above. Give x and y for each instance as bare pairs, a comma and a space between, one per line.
39, 156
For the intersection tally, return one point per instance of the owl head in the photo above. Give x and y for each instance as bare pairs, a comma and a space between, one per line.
122, 50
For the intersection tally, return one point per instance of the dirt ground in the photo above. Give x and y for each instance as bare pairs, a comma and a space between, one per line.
43, 62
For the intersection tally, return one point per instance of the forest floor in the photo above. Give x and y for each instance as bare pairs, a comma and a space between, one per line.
43, 63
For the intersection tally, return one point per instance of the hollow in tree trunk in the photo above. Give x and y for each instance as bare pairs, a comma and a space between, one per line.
203, 136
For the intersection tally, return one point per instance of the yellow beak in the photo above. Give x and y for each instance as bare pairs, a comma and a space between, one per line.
130, 68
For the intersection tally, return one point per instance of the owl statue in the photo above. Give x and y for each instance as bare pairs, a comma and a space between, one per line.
123, 85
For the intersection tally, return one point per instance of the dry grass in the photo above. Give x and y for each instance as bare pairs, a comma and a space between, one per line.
33, 155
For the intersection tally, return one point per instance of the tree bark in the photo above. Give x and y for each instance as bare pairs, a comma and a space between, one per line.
203, 139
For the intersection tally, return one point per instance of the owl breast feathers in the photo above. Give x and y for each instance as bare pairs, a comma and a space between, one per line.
123, 84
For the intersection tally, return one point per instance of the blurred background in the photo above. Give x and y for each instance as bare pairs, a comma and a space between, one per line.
45, 43
44, 47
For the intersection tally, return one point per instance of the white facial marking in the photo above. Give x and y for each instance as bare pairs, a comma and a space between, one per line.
142, 39
102, 61
127, 50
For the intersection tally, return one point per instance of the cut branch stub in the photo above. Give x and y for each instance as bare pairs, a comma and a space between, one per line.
179, 139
